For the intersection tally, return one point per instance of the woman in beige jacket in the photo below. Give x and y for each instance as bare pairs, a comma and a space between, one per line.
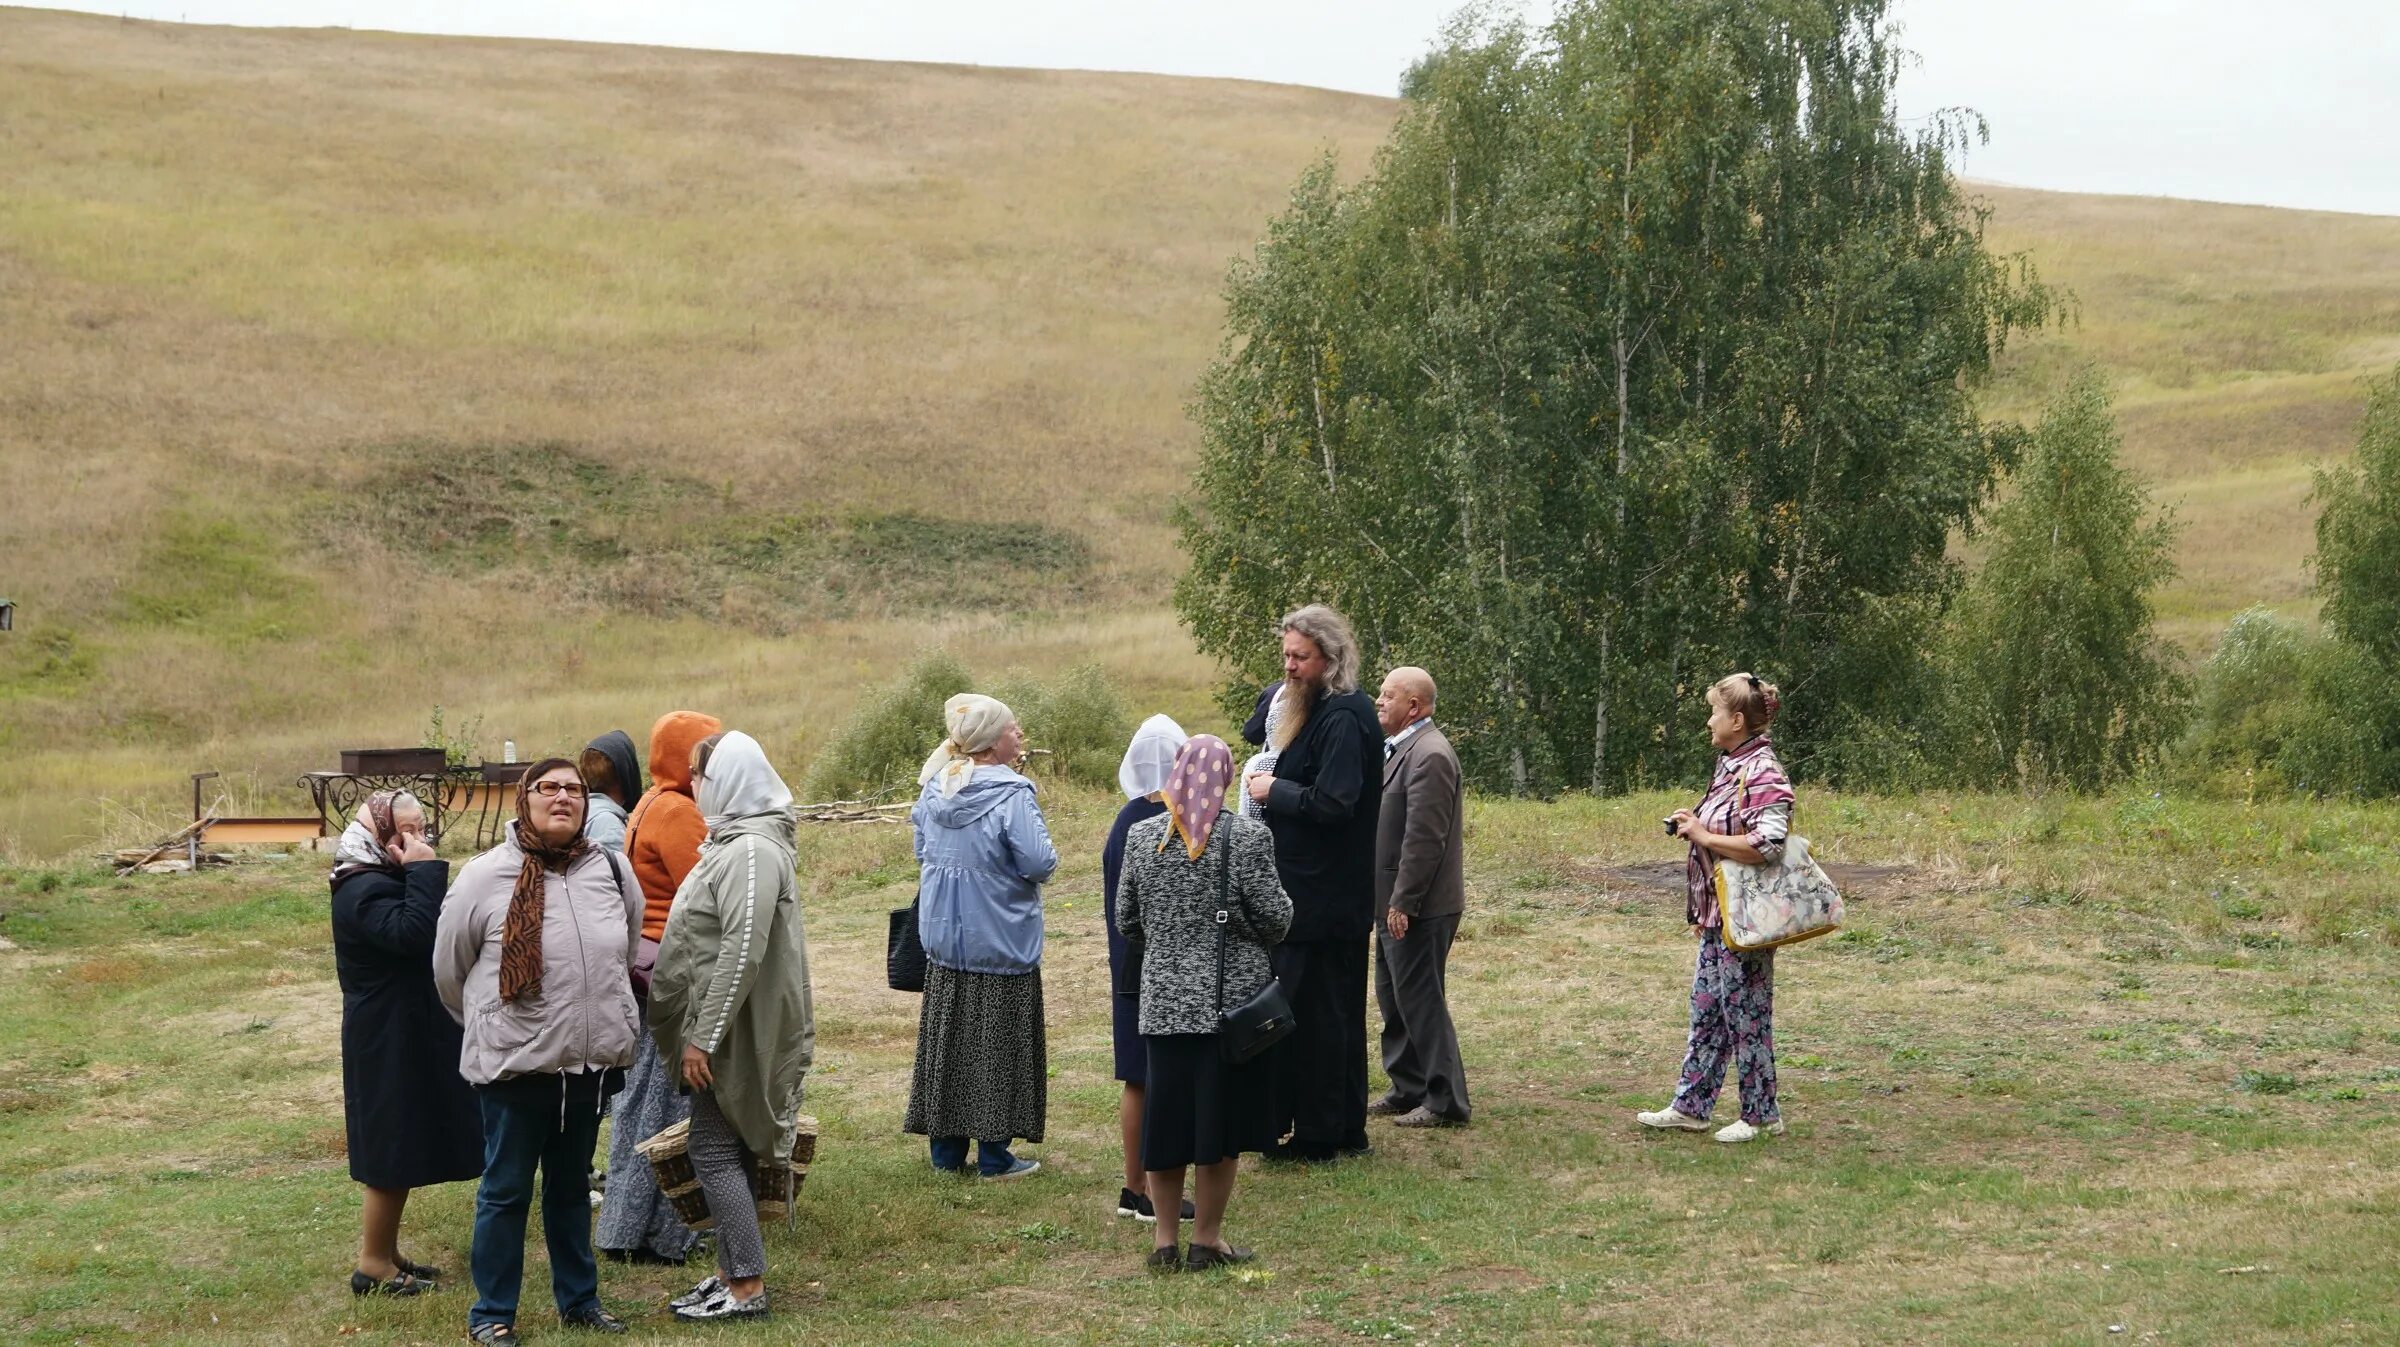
534, 956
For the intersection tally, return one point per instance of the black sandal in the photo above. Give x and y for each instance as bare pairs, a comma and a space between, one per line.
400, 1284
417, 1270
493, 1333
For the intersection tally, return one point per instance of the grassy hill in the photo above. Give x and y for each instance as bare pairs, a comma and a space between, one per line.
350, 374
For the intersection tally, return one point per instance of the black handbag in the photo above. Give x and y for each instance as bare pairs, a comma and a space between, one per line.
904, 952
1265, 1019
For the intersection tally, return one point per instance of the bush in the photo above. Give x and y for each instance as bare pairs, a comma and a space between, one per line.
889, 735
2282, 709
1078, 718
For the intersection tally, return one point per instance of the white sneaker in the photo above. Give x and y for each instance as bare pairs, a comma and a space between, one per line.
1738, 1132
1668, 1118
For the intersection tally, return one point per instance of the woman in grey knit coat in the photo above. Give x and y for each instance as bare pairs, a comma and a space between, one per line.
1181, 870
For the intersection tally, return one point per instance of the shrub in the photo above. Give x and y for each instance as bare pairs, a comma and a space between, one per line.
2281, 709
889, 735
1078, 718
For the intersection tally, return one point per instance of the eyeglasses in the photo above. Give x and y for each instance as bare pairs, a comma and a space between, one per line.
552, 789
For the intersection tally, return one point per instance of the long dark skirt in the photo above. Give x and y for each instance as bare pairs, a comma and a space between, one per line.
983, 1067
633, 1213
1200, 1108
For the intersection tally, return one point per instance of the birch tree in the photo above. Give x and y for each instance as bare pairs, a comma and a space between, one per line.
1644, 351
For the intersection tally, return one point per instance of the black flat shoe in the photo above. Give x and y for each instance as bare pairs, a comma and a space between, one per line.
1166, 1258
417, 1270
1302, 1153
1202, 1257
1137, 1205
400, 1284
595, 1319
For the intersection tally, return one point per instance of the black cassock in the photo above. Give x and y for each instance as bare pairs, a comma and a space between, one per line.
413, 1120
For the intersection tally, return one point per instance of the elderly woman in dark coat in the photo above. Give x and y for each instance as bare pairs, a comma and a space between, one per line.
411, 1118
1149, 760
1200, 889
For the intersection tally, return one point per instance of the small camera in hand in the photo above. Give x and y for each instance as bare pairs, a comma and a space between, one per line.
1670, 823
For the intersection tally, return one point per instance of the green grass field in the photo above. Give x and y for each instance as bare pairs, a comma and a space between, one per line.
2072, 1065
352, 374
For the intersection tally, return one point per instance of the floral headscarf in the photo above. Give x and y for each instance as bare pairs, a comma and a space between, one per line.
364, 845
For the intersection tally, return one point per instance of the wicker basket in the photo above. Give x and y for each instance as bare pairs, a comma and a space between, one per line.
772, 1187
669, 1154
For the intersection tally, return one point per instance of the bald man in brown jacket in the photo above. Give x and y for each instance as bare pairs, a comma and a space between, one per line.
1420, 893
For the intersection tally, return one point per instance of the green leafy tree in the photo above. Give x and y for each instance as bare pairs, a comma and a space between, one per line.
1644, 352
2358, 534
2054, 660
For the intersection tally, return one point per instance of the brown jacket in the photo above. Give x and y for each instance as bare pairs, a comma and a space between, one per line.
1419, 862
663, 836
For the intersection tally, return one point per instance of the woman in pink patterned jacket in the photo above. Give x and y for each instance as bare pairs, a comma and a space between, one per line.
1745, 816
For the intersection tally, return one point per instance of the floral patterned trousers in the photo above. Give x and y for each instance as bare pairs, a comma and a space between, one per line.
1733, 1010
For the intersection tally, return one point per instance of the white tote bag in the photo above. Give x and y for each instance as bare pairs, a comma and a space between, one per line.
1764, 906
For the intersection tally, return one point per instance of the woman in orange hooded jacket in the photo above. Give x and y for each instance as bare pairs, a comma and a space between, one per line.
662, 839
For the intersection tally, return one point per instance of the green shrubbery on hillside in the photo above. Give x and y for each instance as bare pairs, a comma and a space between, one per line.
662, 544
1077, 721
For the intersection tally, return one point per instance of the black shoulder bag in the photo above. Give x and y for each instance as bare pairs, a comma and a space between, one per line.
1266, 1018
904, 952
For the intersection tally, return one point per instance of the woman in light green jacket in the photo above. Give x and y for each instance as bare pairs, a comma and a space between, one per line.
729, 1006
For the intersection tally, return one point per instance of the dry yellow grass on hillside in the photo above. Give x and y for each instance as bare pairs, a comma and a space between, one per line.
352, 373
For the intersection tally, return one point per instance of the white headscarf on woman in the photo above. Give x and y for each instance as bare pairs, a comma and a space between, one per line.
739, 783
1150, 758
975, 723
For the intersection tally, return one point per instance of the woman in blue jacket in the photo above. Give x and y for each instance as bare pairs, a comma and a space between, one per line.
983, 851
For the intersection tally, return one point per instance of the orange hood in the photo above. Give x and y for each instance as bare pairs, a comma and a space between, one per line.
671, 742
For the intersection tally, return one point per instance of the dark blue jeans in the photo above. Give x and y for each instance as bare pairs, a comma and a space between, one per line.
552, 1124
991, 1157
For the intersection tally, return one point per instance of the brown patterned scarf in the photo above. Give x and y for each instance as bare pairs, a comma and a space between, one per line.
521, 932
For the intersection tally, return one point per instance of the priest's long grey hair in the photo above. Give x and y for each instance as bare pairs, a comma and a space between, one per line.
1334, 639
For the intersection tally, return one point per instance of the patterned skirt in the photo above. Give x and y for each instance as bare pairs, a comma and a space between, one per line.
983, 1067
633, 1213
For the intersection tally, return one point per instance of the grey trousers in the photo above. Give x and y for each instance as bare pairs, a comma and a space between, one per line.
1420, 1044
722, 1163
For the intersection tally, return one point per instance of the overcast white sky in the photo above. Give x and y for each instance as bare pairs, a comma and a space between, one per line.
2289, 104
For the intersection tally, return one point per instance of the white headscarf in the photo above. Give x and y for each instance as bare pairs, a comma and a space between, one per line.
975, 723
1150, 758
739, 783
